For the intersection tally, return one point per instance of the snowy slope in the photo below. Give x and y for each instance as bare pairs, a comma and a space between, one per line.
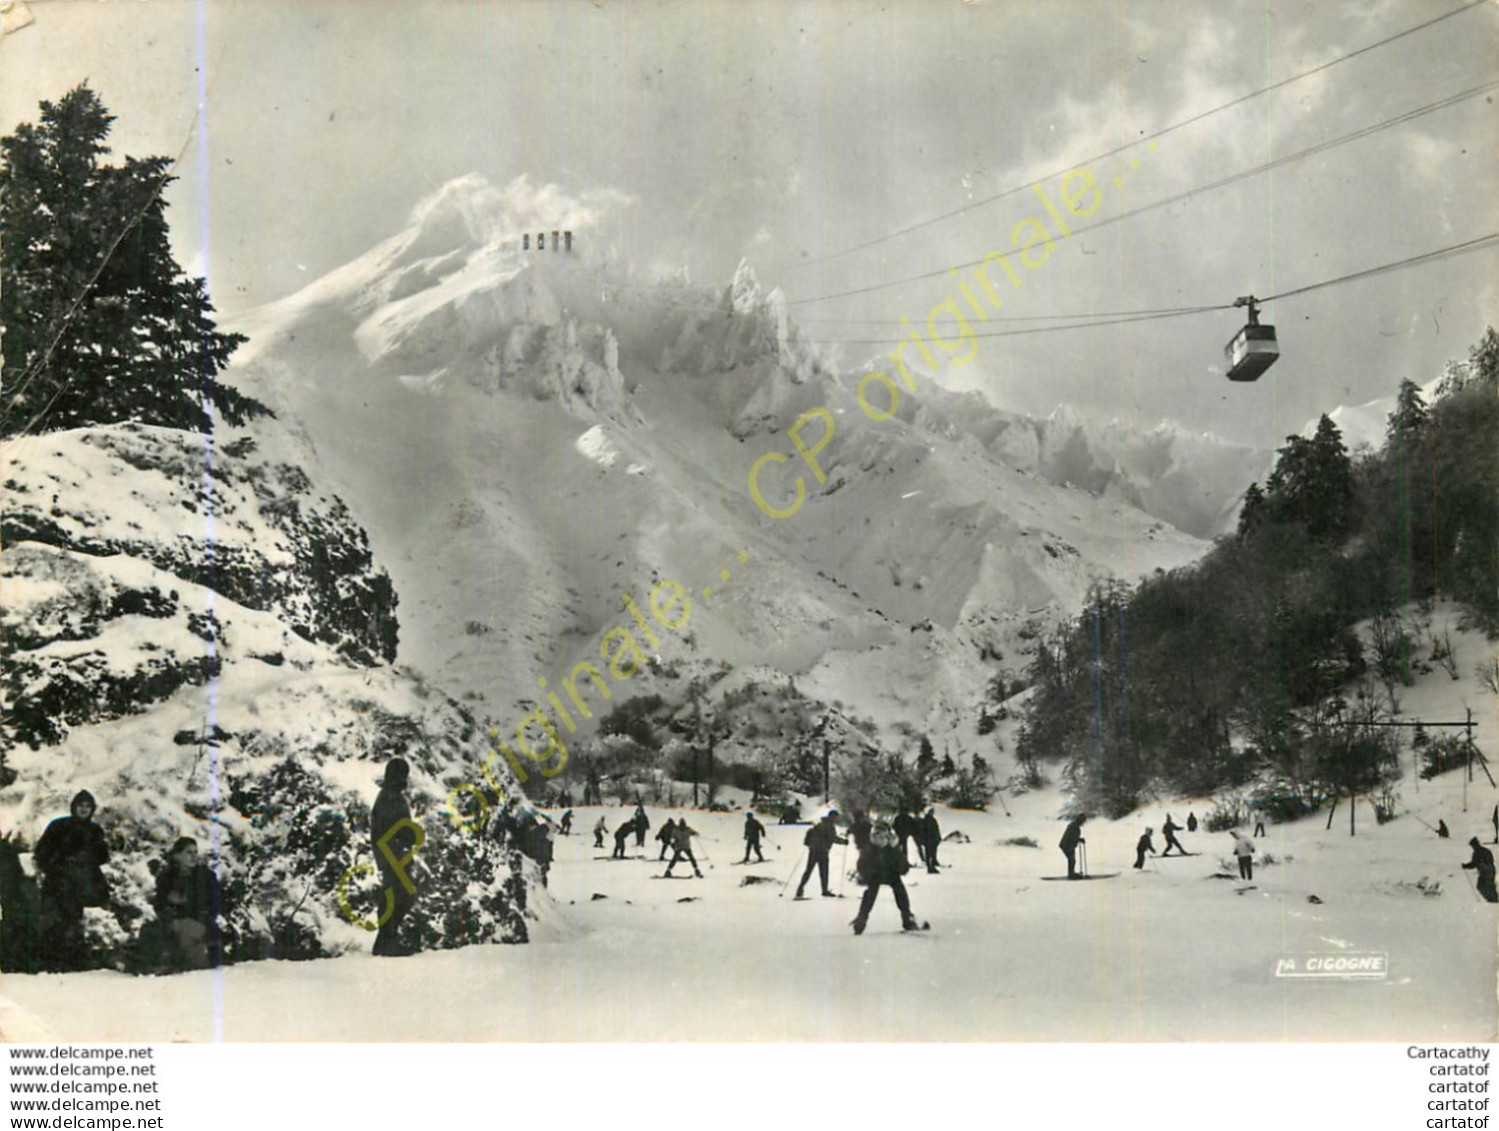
1175, 952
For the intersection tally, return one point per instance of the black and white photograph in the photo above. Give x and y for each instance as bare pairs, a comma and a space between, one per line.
969, 521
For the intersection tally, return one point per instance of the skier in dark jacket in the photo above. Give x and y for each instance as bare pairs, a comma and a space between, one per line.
396, 838
565, 826
642, 823
1483, 861
187, 905
667, 837
621, 837
882, 862
906, 827
931, 838
1142, 846
1170, 829
1191, 822
1072, 836
70, 856
819, 840
753, 831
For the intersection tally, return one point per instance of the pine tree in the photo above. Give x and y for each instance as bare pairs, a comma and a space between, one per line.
1253, 511
1408, 423
101, 324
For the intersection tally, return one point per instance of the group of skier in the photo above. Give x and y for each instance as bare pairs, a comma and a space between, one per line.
186, 931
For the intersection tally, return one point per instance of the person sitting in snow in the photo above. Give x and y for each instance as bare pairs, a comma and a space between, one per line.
1244, 850
1483, 861
1142, 846
187, 906
882, 862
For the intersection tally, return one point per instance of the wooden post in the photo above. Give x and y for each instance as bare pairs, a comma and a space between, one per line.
1332, 811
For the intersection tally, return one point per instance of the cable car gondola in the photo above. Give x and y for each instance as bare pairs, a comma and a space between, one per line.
1254, 348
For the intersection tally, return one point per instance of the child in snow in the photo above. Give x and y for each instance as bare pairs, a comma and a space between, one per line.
1142, 846
598, 833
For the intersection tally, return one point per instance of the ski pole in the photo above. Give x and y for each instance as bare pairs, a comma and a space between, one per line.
1083, 848
790, 876
842, 869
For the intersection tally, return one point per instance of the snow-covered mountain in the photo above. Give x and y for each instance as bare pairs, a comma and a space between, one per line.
532, 437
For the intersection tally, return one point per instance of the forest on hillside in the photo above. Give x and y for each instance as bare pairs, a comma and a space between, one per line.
1233, 670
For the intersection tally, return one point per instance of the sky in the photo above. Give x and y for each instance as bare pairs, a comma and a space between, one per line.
706, 132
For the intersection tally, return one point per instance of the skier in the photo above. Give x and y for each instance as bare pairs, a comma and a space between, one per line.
642, 823
1191, 822
565, 828
667, 837
906, 827
1483, 860
187, 903
791, 813
882, 862
681, 841
395, 837
621, 835
1072, 836
1244, 850
1170, 829
598, 832
819, 840
931, 836
1142, 846
1259, 822
70, 856
753, 831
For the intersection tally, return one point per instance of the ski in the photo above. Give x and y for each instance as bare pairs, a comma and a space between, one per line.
1095, 876
664, 876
